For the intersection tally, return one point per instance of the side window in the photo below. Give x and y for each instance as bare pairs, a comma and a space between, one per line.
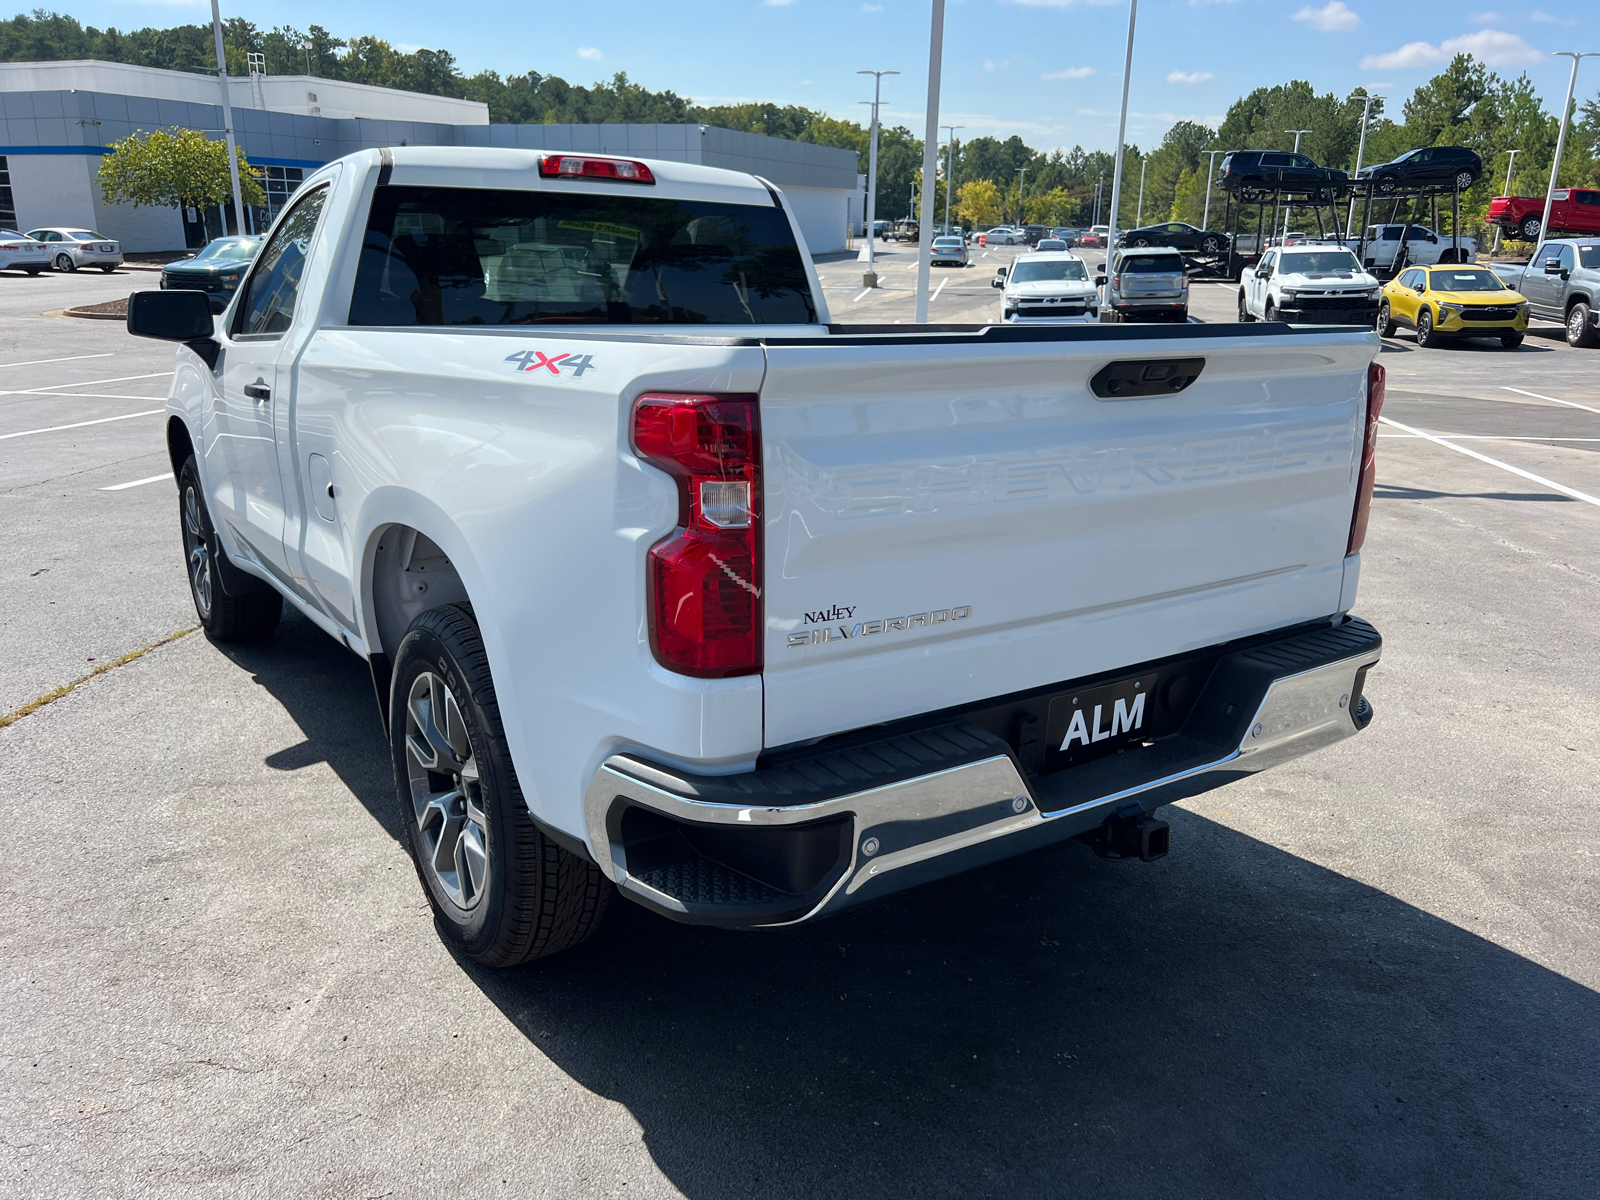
1274, 160
1567, 258
1300, 160
1391, 233
1541, 256
267, 308
1592, 198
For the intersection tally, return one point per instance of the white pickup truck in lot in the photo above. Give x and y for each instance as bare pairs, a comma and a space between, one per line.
1380, 250
1309, 285
670, 587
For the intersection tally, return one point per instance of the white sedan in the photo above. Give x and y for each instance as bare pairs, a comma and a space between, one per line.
18, 252
1000, 235
69, 249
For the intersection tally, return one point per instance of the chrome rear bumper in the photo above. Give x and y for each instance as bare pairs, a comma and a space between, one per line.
754, 850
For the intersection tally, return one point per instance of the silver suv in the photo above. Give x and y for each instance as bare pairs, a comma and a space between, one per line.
1147, 284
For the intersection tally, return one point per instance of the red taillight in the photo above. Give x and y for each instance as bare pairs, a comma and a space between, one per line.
582, 166
1369, 460
705, 578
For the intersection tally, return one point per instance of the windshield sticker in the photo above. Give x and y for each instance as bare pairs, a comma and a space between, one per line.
621, 231
534, 360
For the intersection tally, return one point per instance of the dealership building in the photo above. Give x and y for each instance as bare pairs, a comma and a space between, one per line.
58, 118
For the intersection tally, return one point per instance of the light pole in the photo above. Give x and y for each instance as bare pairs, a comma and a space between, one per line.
1286, 206
870, 279
930, 160
1211, 166
1122, 133
1506, 191
227, 122
1138, 217
1361, 146
1021, 183
1561, 138
950, 173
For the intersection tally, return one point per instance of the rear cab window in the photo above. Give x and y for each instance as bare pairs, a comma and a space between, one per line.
481, 256
1151, 264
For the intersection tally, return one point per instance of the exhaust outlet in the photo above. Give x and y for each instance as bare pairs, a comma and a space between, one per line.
1131, 832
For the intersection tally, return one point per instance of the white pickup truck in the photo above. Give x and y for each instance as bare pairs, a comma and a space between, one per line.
670, 587
1309, 285
1380, 250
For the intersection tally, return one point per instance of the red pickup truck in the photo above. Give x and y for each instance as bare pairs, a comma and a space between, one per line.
1573, 210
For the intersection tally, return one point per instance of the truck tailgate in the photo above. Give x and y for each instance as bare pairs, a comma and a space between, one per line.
951, 519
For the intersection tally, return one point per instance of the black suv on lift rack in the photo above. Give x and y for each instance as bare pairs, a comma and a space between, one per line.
1252, 172
1441, 166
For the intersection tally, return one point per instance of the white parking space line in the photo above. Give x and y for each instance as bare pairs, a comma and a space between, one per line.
1492, 437
48, 388
80, 424
34, 362
83, 396
939, 289
122, 487
1495, 462
864, 292
1552, 399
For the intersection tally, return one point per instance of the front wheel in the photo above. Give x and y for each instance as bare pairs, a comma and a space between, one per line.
65, 265
245, 618
501, 891
33, 270
1210, 245
1269, 313
1424, 328
1386, 325
1244, 311
1580, 326
1511, 341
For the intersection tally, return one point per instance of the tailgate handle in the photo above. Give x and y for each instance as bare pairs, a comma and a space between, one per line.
1130, 379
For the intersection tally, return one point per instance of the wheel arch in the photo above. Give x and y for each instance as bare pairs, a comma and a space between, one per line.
179, 444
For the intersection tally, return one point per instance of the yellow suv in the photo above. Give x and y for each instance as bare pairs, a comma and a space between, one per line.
1456, 300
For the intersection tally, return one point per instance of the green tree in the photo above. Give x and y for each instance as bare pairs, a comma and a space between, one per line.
178, 169
978, 202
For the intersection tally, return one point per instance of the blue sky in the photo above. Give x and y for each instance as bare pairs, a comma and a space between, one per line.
1049, 70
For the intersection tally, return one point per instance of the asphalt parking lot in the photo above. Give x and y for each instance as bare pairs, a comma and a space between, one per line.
1372, 972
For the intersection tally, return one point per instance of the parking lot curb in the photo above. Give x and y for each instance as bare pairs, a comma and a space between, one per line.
82, 315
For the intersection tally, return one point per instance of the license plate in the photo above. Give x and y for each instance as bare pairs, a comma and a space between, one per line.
1091, 723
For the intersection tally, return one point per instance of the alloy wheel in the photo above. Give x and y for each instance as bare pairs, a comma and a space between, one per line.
1463, 181
446, 793
64, 263
1424, 328
197, 551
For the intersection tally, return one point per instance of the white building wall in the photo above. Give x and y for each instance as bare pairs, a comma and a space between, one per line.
140, 230
53, 189
823, 215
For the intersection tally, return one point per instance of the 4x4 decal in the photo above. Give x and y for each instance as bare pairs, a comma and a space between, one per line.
533, 360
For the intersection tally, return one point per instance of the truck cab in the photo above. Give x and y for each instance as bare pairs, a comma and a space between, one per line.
1561, 282
1382, 247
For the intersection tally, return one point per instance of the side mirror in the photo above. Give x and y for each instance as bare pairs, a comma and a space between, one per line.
994, 283
1552, 266
172, 316
1099, 281
1432, 238
1262, 274
1000, 271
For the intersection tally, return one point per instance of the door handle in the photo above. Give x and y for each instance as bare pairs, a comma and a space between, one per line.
258, 390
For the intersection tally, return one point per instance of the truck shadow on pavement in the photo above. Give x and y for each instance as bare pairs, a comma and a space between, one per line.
1231, 1021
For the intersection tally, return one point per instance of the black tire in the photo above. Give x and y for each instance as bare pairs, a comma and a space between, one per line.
1385, 186
1386, 325
1269, 313
1210, 245
243, 618
1464, 180
108, 268
1580, 327
534, 898
1244, 310
33, 270
1424, 328
1529, 229
1141, 241
64, 264
1511, 341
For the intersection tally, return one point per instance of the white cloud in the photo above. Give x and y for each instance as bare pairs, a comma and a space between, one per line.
871, 8
1545, 18
1378, 87
1486, 18
1188, 78
590, 52
1209, 3
1069, 73
777, 3
1491, 47
1332, 17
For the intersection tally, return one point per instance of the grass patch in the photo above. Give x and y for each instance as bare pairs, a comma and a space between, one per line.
38, 702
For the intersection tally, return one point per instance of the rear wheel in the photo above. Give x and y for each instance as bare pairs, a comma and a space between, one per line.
225, 618
1244, 310
1580, 326
1529, 229
1424, 328
65, 265
1464, 180
108, 267
1141, 241
1386, 325
501, 890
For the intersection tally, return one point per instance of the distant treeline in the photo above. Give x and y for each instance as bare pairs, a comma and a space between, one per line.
1466, 104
